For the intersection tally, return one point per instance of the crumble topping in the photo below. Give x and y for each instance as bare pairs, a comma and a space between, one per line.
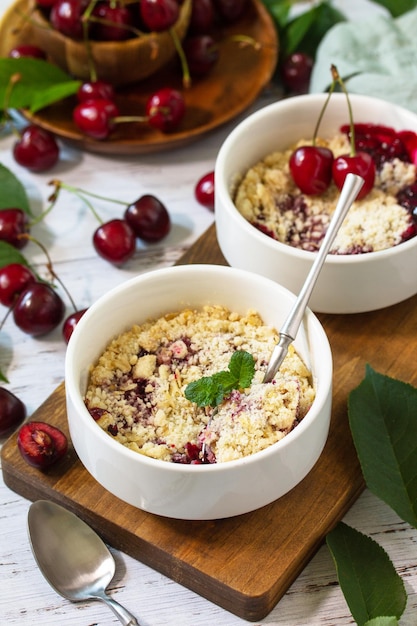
269, 199
136, 389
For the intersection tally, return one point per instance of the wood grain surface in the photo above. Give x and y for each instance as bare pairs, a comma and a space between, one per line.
244, 564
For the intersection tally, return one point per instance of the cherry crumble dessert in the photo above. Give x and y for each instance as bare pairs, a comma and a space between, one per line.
269, 199
136, 389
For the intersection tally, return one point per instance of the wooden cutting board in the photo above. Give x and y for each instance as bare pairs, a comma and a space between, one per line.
244, 564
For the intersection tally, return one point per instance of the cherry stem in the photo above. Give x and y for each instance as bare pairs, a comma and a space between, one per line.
316, 130
337, 78
49, 265
85, 23
186, 78
2, 323
245, 41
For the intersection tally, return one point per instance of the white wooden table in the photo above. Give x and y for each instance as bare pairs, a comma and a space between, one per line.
35, 367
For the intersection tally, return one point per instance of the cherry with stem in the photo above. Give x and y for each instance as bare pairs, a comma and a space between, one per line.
356, 162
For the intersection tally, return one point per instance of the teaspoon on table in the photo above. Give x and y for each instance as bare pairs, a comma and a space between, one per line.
72, 557
288, 332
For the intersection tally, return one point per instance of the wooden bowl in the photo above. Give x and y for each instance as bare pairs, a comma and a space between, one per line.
118, 62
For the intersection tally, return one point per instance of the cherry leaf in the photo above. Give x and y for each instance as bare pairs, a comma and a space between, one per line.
397, 7
383, 420
367, 577
36, 84
13, 194
382, 621
9, 254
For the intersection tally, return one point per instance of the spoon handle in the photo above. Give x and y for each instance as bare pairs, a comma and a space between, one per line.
288, 332
124, 616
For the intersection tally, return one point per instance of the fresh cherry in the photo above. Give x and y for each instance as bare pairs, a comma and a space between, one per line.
361, 164
202, 53
159, 15
204, 191
14, 278
202, 16
12, 412
296, 71
115, 241
27, 50
230, 10
66, 17
13, 224
36, 149
95, 90
96, 118
38, 309
148, 218
311, 168
165, 109
116, 21
70, 323
41, 445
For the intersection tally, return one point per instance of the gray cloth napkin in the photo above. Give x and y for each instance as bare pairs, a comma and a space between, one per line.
375, 57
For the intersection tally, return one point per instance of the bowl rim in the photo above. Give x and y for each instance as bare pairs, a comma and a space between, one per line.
222, 189
72, 389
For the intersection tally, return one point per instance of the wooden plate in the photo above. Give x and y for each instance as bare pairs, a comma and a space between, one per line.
234, 83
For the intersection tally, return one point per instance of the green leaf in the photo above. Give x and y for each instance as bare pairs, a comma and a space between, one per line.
40, 84
383, 420
3, 377
382, 621
280, 10
367, 577
242, 368
397, 7
205, 392
210, 390
9, 254
13, 193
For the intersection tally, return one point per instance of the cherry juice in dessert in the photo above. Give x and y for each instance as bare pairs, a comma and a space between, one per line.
269, 199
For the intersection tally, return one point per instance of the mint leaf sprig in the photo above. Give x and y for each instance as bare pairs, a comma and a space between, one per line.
211, 390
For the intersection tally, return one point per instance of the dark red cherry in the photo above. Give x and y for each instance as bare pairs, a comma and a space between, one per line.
230, 10
66, 17
117, 22
27, 50
95, 90
296, 71
204, 191
361, 164
202, 53
38, 309
41, 445
12, 412
115, 241
148, 218
70, 323
13, 223
202, 16
159, 15
14, 278
311, 169
165, 109
96, 118
37, 149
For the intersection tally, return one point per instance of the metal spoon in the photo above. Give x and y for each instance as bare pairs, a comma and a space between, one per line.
72, 557
288, 332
